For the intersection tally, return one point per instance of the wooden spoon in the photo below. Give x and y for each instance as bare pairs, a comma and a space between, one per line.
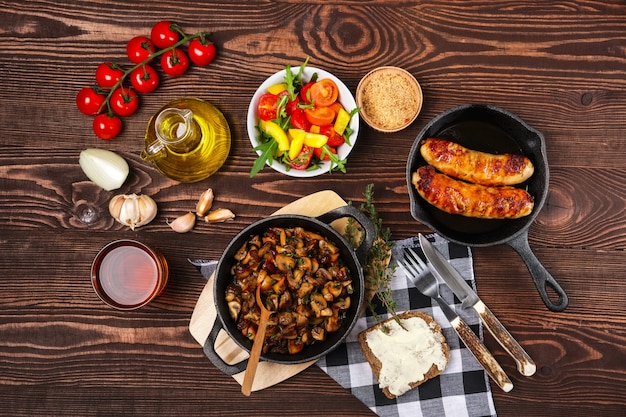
255, 353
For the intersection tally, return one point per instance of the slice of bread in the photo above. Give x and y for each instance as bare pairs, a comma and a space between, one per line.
403, 359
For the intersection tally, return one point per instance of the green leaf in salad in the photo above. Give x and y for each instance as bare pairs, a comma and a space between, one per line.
294, 82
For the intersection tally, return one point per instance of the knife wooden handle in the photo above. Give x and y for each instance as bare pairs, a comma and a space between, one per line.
525, 364
482, 355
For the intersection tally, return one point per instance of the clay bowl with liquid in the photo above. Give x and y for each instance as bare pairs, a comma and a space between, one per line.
489, 129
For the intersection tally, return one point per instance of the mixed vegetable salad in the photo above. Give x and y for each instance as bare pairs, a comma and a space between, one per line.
302, 123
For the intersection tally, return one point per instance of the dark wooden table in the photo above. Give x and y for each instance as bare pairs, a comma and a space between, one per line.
559, 65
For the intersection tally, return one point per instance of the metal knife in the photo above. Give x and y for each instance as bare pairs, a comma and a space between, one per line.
427, 284
440, 268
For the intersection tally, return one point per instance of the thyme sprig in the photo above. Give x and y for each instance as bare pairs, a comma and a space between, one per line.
378, 273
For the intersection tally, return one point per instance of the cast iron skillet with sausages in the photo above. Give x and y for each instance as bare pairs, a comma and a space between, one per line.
493, 130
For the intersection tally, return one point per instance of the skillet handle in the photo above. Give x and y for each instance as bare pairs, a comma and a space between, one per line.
209, 351
540, 275
368, 227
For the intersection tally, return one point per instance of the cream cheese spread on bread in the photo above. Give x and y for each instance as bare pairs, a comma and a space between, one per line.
406, 355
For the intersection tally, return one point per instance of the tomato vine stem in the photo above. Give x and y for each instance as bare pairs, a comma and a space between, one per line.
185, 38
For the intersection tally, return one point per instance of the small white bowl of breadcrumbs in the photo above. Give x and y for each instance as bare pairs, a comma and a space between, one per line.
389, 99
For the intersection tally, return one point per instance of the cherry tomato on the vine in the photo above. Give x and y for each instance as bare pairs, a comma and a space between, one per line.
144, 79
201, 51
107, 127
164, 35
124, 101
89, 101
108, 74
174, 62
139, 49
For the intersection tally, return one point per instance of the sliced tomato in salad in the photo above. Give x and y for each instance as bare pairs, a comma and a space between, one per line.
292, 105
303, 160
323, 151
324, 92
267, 106
299, 120
320, 116
304, 92
334, 139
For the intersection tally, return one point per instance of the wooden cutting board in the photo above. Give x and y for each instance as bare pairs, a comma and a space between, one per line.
205, 313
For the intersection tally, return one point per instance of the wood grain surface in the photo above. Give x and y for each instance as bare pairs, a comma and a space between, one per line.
559, 65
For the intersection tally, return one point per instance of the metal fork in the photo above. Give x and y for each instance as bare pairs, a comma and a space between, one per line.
424, 280
427, 284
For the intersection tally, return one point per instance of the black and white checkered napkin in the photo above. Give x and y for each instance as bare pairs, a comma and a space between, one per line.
461, 390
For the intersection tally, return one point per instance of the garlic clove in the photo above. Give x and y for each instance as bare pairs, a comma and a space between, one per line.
105, 168
205, 202
133, 210
219, 215
115, 205
184, 223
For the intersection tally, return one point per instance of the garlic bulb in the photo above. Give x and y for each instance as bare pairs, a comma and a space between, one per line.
133, 210
105, 168
184, 223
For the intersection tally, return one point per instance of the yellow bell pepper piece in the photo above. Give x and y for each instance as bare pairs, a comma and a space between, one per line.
315, 140
276, 132
297, 142
341, 122
314, 129
277, 88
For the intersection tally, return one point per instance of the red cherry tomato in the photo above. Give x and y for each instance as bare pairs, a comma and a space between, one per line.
201, 51
334, 139
89, 101
303, 160
174, 62
319, 151
107, 127
139, 49
124, 101
108, 74
267, 106
304, 92
292, 105
164, 34
299, 120
144, 79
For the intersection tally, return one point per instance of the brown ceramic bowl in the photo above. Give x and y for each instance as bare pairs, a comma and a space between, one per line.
389, 98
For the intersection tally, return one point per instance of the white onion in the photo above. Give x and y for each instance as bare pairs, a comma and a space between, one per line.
105, 168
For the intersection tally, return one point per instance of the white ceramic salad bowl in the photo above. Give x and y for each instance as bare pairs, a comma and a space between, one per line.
345, 98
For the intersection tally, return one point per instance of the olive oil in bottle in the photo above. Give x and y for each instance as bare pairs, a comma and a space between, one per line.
187, 140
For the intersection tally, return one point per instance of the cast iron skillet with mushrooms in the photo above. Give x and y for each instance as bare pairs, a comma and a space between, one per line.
304, 283
330, 298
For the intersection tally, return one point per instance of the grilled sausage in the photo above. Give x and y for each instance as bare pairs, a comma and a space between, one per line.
474, 166
471, 200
